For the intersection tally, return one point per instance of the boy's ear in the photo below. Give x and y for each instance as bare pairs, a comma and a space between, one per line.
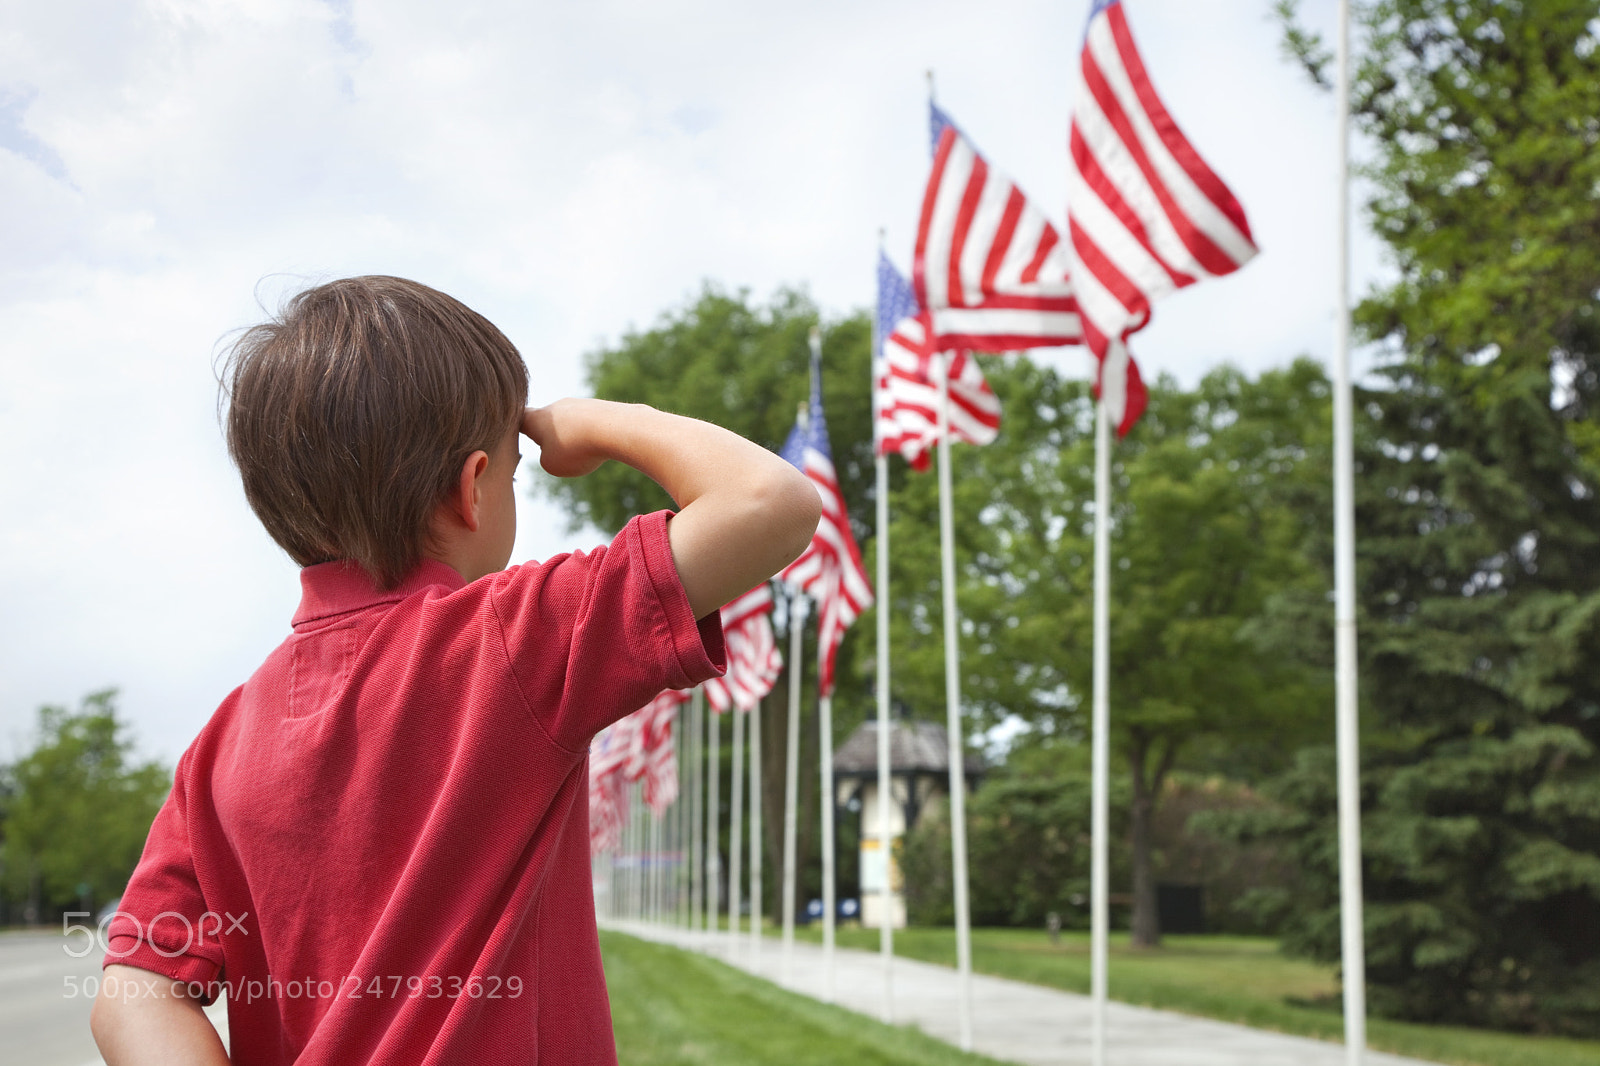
467, 500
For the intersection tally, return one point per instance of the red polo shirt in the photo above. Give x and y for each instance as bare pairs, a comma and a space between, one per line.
379, 842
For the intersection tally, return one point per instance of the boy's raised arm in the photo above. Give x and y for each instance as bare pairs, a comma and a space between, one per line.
743, 512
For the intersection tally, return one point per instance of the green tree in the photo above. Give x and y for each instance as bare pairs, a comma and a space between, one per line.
80, 809
1206, 532
1478, 523
1028, 851
743, 367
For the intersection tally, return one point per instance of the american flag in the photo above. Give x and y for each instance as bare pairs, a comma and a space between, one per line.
637, 747
906, 397
1145, 214
608, 811
830, 569
754, 662
989, 267
660, 769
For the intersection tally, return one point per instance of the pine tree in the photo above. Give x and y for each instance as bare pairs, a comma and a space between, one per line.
1478, 523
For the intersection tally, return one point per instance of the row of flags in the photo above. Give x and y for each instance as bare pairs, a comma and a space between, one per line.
1145, 216
990, 272
641, 747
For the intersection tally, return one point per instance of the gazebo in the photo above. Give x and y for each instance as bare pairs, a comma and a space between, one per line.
919, 772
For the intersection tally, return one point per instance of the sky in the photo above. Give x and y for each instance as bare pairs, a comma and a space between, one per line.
171, 169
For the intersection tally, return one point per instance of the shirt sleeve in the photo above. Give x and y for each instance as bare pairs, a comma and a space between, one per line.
594, 636
162, 923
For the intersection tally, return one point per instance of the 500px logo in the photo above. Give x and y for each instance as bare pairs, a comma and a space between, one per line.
176, 936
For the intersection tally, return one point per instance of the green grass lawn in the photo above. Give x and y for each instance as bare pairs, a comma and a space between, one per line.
672, 1007
1236, 979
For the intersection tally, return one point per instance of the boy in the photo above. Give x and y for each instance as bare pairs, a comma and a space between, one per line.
379, 844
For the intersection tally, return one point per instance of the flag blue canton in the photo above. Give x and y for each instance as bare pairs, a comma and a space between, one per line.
811, 432
937, 121
896, 301
1095, 10
793, 451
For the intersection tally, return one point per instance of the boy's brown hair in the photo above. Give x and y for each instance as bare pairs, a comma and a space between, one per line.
351, 413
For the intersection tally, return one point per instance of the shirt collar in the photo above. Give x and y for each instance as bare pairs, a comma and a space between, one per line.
330, 589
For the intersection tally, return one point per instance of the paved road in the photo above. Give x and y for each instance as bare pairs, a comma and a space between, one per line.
45, 996
44, 1012
1013, 1021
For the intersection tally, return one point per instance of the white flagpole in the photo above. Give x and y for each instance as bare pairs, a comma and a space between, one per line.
756, 839
630, 851
625, 890
620, 862
713, 820
885, 795
697, 804
680, 806
825, 759
1100, 728
791, 780
635, 846
1353, 950
952, 689
736, 832
641, 838
655, 865
686, 777
825, 729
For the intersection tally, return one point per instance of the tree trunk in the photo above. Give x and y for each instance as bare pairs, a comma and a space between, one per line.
1146, 920
1146, 796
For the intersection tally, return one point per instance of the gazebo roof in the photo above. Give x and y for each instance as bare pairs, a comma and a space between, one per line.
914, 747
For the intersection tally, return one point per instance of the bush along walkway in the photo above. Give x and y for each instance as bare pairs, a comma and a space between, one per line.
1012, 1021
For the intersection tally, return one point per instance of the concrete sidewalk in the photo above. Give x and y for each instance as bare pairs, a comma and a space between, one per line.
1012, 1021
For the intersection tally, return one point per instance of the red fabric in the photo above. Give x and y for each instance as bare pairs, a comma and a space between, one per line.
399, 794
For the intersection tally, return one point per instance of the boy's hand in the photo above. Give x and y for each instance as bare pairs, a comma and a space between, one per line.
565, 450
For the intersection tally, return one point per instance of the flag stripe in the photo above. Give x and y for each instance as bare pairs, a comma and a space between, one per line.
932, 293
1099, 208
1123, 144
1048, 243
1177, 145
985, 263
1211, 234
754, 662
977, 178
1000, 249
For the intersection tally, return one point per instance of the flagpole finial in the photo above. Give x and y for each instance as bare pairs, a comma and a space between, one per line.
930, 84
883, 234
816, 342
